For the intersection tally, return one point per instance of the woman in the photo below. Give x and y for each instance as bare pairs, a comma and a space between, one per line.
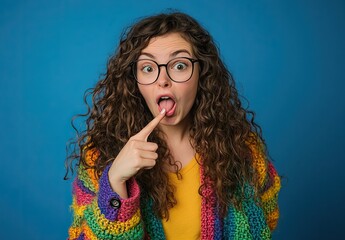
169, 151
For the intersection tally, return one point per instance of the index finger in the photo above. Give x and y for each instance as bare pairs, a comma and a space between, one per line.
147, 130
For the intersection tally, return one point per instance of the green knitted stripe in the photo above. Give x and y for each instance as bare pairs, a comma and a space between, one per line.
136, 232
242, 228
270, 205
77, 221
84, 177
266, 233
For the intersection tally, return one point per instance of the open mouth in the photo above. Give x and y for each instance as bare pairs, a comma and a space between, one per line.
168, 103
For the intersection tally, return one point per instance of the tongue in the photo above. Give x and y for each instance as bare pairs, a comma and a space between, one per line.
167, 104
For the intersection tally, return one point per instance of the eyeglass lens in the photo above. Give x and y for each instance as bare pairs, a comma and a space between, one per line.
179, 70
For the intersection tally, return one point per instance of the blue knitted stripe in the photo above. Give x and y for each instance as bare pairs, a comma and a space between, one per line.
256, 217
153, 225
229, 224
257, 222
218, 228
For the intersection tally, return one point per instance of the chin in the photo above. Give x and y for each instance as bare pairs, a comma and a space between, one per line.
170, 121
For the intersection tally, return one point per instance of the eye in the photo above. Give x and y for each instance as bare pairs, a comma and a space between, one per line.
147, 69
180, 66
146, 66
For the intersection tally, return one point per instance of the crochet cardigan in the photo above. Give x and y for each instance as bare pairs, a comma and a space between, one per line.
99, 213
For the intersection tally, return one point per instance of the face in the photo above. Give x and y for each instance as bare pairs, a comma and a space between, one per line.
176, 97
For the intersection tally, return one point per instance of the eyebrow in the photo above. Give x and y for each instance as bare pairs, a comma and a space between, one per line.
173, 54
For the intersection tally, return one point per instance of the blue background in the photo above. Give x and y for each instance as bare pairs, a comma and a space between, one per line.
286, 56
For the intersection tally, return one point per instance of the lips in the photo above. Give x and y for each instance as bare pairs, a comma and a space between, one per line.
167, 102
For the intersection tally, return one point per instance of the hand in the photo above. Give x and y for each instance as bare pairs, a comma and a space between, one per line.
135, 155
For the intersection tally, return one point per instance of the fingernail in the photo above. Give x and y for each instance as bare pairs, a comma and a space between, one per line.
163, 111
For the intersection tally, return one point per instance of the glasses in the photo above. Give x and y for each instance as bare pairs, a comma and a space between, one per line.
146, 71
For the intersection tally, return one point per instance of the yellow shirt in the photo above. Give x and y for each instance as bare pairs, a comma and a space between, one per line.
185, 217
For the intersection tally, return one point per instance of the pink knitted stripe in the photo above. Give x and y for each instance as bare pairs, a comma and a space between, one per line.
271, 174
207, 210
82, 197
131, 205
272, 171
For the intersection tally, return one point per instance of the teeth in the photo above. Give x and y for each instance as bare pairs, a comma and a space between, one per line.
163, 98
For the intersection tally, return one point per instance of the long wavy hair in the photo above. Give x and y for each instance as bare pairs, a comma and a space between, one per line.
220, 131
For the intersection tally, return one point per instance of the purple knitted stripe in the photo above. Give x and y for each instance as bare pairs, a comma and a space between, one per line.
105, 194
85, 189
81, 236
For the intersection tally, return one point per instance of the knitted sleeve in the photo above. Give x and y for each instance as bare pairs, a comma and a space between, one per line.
269, 183
99, 212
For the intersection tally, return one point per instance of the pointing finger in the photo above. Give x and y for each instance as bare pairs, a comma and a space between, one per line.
146, 131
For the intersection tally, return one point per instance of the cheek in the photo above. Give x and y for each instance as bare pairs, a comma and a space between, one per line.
143, 91
191, 92
147, 95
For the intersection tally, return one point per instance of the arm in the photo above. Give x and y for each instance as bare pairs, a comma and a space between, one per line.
269, 185
98, 211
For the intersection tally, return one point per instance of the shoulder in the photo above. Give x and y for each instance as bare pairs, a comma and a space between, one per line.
90, 156
266, 174
259, 158
87, 173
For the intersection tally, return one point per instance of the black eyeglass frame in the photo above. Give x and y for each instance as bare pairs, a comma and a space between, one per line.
133, 66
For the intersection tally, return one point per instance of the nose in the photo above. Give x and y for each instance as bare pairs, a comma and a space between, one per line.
163, 78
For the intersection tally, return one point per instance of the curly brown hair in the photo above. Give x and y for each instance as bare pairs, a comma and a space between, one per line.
220, 131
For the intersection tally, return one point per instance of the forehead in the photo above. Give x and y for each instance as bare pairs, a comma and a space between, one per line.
168, 44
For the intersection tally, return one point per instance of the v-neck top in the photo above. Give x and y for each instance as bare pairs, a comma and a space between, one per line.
185, 217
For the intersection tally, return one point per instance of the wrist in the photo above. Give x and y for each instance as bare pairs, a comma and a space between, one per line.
118, 185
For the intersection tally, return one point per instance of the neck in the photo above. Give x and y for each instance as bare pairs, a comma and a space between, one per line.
176, 133
178, 140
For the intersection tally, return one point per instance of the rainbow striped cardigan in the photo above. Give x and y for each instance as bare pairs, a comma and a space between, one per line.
99, 213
